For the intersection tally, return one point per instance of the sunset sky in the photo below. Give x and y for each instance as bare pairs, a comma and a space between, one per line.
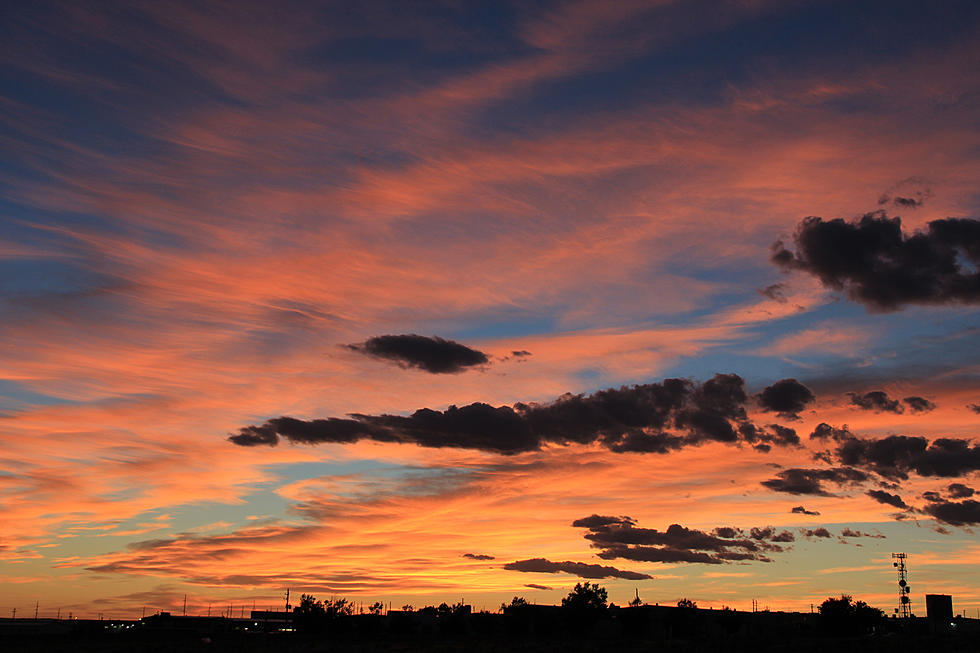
437, 301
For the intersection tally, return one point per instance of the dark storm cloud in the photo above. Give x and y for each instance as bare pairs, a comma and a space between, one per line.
787, 398
850, 532
784, 435
876, 400
668, 554
876, 264
476, 426
774, 292
895, 456
761, 438
810, 481
599, 521
253, 436
435, 355
974, 407
907, 202
910, 198
478, 556
825, 431
769, 534
955, 513
535, 586
816, 532
654, 417
960, 491
622, 539
800, 510
887, 498
520, 354
580, 569
919, 404
640, 442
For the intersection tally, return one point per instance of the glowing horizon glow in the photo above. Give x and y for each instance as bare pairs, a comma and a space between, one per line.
205, 204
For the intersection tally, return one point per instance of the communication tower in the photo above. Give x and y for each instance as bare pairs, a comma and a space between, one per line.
904, 608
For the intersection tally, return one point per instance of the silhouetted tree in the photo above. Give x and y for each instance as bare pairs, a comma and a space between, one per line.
339, 608
376, 608
308, 605
845, 616
584, 605
408, 607
516, 602
444, 609
310, 615
519, 618
687, 603
586, 595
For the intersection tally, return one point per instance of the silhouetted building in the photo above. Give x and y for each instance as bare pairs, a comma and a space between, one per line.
272, 620
939, 612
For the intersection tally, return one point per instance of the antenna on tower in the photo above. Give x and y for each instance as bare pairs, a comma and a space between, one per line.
904, 608
287, 599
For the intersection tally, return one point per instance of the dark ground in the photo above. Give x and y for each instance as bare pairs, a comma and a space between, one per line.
530, 629
293, 644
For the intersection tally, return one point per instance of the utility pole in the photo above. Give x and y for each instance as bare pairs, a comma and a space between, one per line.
59, 614
35, 610
185, 605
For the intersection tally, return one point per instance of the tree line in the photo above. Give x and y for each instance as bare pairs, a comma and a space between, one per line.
584, 604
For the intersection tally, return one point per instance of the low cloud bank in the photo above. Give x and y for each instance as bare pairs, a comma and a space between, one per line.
647, 418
